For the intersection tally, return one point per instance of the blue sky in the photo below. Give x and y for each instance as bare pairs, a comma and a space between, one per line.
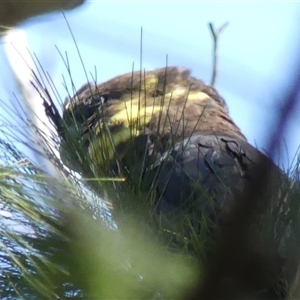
257, 51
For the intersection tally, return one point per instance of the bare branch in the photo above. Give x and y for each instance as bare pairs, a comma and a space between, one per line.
215, 35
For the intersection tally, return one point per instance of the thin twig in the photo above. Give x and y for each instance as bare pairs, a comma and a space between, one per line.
215, 35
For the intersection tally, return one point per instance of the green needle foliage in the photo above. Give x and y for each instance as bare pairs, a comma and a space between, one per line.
59, 240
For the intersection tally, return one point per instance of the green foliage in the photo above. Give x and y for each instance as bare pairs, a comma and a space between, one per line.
59, 240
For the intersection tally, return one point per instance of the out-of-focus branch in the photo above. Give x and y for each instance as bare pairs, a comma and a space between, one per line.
13, 12
22, 65
215, 34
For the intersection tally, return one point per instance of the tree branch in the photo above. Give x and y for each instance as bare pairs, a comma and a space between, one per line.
215, 35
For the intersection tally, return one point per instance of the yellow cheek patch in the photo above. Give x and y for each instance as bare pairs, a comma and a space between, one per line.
132, 113
199, 95
183, 92
151, 83
102, 147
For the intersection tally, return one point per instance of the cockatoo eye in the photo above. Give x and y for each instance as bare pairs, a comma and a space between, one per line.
103, 99
98, 100
157, 93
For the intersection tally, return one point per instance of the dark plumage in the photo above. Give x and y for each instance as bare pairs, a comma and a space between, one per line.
170, 121
169, 135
